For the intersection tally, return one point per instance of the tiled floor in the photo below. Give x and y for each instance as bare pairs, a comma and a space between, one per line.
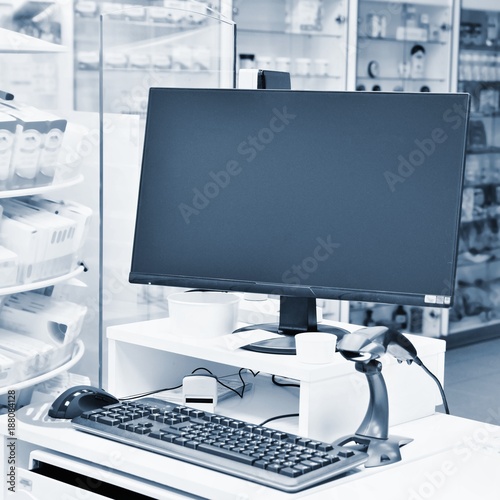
472, 381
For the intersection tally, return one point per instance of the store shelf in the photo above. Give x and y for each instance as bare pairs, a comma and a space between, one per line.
478, 269
399, 40
287, 35
400, 79
312, 34
31, 191
42, 283
12, 42
76, 356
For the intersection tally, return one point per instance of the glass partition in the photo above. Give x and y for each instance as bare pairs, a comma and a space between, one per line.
144, 47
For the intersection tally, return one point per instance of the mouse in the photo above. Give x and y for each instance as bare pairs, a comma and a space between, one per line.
74, 401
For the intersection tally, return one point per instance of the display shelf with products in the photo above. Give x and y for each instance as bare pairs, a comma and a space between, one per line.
476, 313
36, 33
156, 44
307, 38
404, 46
41, 242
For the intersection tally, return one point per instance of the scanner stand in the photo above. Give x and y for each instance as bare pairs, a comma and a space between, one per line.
372, 436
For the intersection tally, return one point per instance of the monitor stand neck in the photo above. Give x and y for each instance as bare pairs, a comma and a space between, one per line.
297, 315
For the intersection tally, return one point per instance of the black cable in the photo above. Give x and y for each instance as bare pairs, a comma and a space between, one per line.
281, 384
148, 393
287, 415
441, 389
142, 394
227, 386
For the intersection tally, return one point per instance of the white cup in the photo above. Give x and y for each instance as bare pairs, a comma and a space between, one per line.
315, 347
203, 314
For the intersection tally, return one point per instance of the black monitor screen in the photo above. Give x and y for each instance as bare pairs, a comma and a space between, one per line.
340, 195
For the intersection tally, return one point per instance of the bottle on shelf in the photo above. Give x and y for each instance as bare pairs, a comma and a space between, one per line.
400, 317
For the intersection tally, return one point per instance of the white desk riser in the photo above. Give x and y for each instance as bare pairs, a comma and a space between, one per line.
145, 356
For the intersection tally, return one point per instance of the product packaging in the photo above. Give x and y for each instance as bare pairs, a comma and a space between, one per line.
43, 241
54, 322
39, 136
8, 126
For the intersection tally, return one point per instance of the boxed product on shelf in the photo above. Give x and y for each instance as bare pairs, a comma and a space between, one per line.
73, 210
303, 16
77, 144
114, 10
116, 60
86, 8
44, 242
88, 59
23, 357
32, 354
139, 60
7, 134
22, 239
55, 322
8, 267
38, 141
415, 34
158, 14
27, 149
135, 13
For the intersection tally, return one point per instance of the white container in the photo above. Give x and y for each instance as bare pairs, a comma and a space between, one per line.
203, 314
315, 347
303, 66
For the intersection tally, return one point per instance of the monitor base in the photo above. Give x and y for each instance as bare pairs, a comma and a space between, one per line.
285, 344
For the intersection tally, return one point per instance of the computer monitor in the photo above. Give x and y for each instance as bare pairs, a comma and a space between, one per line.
302, 194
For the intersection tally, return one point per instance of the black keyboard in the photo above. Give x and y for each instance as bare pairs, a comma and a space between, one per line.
256, 453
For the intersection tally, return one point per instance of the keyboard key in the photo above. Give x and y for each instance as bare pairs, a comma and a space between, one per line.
345, 453
274, 467
290, 472
221, 452
142, 430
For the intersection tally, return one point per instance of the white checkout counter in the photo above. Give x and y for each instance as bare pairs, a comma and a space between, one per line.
449, 457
